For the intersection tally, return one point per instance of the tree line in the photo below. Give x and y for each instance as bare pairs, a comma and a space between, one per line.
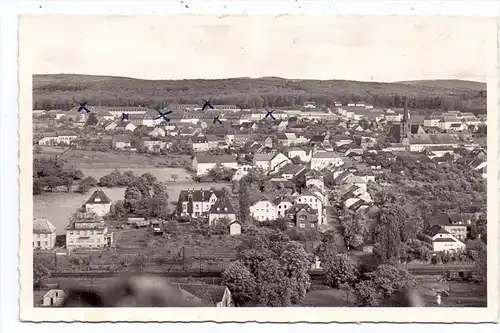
62, 91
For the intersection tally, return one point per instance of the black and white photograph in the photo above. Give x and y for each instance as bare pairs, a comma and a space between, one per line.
257, 162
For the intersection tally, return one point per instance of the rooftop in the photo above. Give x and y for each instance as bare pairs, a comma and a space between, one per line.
43, 226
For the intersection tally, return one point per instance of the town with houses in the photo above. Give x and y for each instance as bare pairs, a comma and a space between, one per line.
306, 169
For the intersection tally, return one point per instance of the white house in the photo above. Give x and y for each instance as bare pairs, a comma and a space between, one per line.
98, 203
312, 200
66, 137
315, 178
44, 234
203, 163
305, 156
270, 162
197, 203
222, 209
263, 210
322, 159
441, 240
282, 205
87, 230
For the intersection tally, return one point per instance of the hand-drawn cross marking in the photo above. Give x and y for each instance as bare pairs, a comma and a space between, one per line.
124, 116
270, 114
216, 119
163, 115
83, 107
206, 105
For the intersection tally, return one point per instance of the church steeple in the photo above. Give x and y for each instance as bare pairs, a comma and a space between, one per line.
404, 125
405, 114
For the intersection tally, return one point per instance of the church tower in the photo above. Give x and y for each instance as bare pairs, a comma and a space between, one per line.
404, 125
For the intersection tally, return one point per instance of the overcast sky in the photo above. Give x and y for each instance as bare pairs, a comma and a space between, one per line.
390, 48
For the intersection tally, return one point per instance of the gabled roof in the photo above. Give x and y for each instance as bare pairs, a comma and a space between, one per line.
43, 226
200, 195
292, 169
436, 229
298, 207
222, 206
358, 204
279, 200
98, 197
477, 162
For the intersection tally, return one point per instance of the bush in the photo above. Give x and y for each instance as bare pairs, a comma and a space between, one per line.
220, 227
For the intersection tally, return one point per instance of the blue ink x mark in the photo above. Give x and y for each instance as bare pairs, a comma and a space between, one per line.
270, 114
83, 106
163, 115
216, 119
206, 105
124, 116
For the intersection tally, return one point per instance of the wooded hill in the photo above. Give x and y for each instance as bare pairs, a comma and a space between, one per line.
63, 91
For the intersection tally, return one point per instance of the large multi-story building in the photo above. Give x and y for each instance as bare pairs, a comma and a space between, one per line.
89, 231
197, 203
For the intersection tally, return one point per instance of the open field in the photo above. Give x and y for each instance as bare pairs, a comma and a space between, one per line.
86, 159
138, 250
60, 90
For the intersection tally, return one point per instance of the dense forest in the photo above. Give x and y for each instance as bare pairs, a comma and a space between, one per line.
63, 91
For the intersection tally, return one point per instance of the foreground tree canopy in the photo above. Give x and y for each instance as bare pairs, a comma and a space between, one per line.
271, 270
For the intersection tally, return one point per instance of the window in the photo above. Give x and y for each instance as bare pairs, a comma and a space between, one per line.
44, 235
46, 243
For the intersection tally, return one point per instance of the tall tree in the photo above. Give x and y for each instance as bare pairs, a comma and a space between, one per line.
278, 265
241, 282
244, 202
387, 233
339, 269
